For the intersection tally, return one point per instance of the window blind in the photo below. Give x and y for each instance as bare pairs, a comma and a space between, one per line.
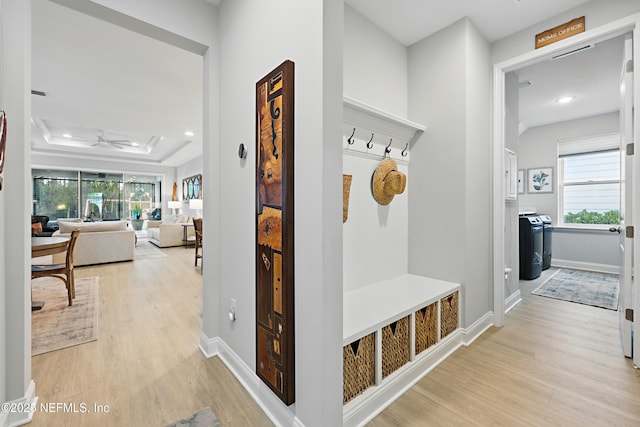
588, 145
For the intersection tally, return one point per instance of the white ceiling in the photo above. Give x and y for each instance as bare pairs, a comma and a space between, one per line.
104, 82
591, 76
409, 21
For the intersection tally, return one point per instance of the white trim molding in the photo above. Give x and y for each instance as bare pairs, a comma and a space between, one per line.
512, 300
29, 400
277, 411
589, 266
470, 334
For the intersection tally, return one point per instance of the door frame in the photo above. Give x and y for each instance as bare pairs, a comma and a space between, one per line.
630, 23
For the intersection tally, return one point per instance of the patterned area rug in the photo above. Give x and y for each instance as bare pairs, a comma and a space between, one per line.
584, 287
203, 418
57, 325
145, 250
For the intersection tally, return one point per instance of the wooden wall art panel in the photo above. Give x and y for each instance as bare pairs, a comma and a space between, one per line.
275, 359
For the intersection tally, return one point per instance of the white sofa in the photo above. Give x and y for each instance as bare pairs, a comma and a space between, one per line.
98, 242
171, 231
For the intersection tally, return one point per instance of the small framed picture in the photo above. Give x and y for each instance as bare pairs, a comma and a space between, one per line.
520, 181
540, 180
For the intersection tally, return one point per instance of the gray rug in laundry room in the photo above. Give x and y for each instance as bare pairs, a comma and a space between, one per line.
583, 287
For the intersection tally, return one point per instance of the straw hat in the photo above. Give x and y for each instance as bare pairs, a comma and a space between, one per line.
387, 181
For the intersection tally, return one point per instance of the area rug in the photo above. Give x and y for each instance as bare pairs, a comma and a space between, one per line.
145, 250
583, 287
57, 325
203, 418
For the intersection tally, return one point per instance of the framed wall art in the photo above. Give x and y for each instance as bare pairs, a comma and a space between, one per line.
192, 187
540, 180
275, 359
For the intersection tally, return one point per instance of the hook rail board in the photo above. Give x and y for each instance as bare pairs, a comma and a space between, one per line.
275, 359
375, 133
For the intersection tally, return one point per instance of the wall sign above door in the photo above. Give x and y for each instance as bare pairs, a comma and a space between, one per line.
561, 32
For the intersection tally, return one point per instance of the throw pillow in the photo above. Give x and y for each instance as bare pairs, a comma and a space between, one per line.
36, 228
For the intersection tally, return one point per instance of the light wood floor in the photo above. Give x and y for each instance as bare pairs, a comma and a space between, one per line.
145, 365
555, 363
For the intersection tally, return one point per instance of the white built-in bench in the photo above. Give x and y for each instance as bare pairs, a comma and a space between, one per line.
394, 331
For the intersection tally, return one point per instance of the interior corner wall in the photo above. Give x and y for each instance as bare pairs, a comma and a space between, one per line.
596, 13
478, 273
375, 65
256, 37
511, 225
449, 210
437, 97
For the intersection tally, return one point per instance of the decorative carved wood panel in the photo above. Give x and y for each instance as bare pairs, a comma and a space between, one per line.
275, 359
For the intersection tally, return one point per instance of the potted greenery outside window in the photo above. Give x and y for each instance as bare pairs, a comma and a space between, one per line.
136, 217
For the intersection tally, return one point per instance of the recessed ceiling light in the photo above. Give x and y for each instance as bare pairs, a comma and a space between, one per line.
66, 135
565, 99
134, 144
189, 133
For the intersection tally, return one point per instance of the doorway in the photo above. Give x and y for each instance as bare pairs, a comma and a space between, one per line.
501, 70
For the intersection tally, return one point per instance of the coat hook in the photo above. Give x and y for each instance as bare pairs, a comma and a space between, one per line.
404, 152
387, 149
350, 140
370, 143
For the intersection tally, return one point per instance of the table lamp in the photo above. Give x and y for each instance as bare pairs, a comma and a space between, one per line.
197, 205
174, 204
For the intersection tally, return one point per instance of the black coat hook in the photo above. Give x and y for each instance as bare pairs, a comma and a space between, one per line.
370, 143
387, 149
404, 152
350, 140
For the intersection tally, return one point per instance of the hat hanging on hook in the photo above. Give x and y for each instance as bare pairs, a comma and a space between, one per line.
387, 181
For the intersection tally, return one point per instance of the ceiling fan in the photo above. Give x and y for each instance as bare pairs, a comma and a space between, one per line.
116, 143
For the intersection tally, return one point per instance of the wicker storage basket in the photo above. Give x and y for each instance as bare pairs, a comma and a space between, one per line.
426, 327
448, 314
358, 367
395, 346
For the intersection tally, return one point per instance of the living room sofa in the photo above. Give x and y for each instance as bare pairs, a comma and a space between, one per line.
98, 242
171, 231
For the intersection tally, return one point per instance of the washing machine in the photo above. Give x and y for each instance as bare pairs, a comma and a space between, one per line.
531, 247
547, 229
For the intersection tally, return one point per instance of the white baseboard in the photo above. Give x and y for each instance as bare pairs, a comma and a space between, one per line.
590, 266
470, 334
512, 301
4, 419
365, 407
30, 399
277, 411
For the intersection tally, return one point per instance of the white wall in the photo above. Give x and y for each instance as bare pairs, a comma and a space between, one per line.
511, 230
596, 13
375, 238
375, 65
451, 188
538, 147
256, 37
15, 83
3, 301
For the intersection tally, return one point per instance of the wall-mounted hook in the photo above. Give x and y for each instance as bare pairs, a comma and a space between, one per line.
370, 143
350, 140
404, 151
387, 149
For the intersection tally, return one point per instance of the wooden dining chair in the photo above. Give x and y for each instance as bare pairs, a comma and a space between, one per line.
63, 272
197, 226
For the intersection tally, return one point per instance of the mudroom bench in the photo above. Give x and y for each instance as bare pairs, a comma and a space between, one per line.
394, 331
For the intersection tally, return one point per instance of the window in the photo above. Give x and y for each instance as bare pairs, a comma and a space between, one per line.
589, 181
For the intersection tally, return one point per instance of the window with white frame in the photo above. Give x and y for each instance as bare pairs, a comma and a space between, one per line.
589, 181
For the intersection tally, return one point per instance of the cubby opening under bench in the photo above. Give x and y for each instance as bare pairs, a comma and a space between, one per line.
394, 332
